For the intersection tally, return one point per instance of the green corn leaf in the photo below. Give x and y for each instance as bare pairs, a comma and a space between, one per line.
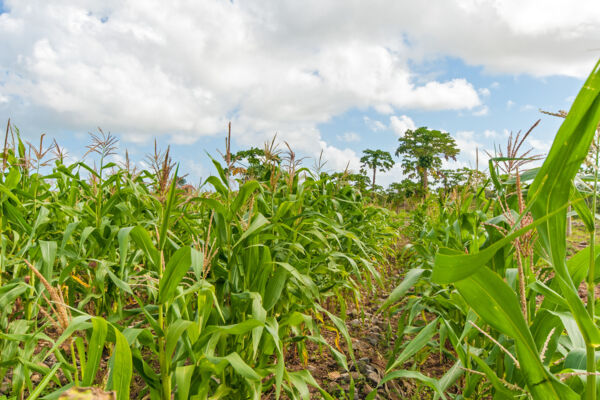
246, 190
123, 238
404, 374
502, 392
174, 333
497, 304
258, 223
77, 323
305, 280
419, 341
221, 172
142, 239
274, 288
239, 366
273, 328
118, 282
452, 265
218, 185
48, 255
259, 314
44, 382
341, 326
95, 348
183, 379
449, 378
13, 178
582, 209
409, 281
178, 265
554, 183
122, 369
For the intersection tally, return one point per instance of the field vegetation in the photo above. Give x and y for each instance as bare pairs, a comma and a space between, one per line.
133, 282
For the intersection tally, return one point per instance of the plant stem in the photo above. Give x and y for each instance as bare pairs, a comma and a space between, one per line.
162, 356
164, 366
591, 292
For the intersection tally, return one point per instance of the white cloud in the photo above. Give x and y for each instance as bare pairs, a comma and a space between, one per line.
551, 40
471, 150
527, 107
349, 137
482, 111
374, 124
490, 133
339, 159
510, 104
183, 69
495, 85
197, 172
539, 146
147, 68
395, 174
401, 124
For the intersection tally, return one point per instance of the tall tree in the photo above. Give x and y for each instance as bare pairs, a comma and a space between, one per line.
422, 150
376, 159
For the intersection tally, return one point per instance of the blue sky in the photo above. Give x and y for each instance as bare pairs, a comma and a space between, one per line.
324, 75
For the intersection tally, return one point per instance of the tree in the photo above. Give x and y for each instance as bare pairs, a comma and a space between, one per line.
254, 168
423, 150
376, 159
399, 192
450, 179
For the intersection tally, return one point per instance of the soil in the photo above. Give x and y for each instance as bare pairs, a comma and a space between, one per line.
373, 337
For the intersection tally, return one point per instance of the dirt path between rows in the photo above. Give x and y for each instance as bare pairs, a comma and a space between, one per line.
373, 337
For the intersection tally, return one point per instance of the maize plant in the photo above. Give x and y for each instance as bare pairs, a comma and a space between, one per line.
491, 286
124, 281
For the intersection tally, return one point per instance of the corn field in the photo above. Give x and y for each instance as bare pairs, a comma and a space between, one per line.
121, 279
130, 282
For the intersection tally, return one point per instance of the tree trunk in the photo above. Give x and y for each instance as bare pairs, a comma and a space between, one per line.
374, 170
425, 183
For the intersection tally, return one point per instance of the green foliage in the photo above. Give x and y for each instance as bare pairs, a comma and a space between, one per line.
422, 150
495, 273
376, 160
199, 296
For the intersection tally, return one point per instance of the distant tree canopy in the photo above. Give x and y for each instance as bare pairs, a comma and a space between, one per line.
422, 150
403, 190
376, 160
449, 179
255, 165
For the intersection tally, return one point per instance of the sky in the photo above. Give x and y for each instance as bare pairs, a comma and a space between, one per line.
324, 75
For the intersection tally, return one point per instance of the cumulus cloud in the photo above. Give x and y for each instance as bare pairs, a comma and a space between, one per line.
482, 111
340, 159
349, 137
539, 146
490, 133
470, 150
401, 124
374, 125
184, 69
